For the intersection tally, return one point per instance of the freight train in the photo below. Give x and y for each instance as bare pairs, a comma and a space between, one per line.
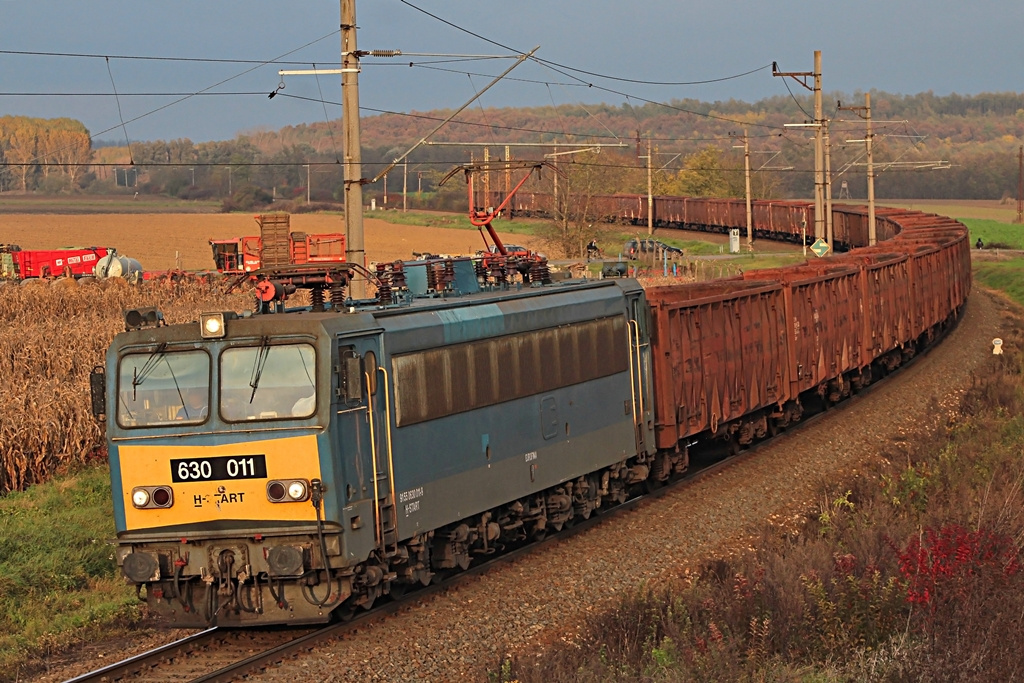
287, 465
779, 220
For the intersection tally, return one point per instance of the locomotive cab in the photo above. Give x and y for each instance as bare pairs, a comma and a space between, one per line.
220, 450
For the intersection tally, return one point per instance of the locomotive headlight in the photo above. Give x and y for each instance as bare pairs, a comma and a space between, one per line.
297, 490
287, 490
212, 325
145, 497
163, 497
140, 498
275, 491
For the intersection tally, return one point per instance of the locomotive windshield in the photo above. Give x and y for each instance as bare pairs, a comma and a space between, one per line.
268, 382
163, 387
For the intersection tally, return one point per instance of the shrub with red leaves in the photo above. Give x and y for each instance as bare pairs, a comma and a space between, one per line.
951, 560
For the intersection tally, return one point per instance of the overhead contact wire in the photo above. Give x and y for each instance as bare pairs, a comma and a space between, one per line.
330, 128
128, 142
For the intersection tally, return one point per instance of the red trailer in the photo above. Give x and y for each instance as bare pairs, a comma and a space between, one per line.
19, 264
276, 246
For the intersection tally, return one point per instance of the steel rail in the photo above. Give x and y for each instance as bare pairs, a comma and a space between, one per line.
149, 658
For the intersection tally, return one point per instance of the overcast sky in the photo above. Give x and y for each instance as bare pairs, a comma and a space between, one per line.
899, 46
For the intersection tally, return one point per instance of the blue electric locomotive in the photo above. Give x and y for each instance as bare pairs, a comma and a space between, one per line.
273, 468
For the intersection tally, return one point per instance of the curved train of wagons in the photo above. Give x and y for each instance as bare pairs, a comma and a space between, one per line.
274, 467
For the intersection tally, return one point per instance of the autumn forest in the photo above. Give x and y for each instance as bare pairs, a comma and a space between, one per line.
925, 146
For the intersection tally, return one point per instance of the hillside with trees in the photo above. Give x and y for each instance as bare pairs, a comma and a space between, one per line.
926, 146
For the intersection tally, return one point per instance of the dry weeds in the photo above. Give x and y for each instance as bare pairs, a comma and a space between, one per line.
51, 337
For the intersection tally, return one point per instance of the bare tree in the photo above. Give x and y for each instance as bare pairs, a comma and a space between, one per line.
578, 212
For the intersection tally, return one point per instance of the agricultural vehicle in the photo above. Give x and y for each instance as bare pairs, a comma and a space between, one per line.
276, 246
23, 264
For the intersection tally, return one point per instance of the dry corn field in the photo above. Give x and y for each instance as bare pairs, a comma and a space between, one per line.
51, 337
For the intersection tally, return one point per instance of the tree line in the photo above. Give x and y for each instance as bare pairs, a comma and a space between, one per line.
693, 151
42, 154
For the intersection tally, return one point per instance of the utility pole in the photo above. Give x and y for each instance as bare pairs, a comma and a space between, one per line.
827, 145
508, 178
746, 175
872, 230
405, 183
650, 192
1020, 185
866, 112
487, 179
818, 124
353, 177
819, 175
307, 184
554, 162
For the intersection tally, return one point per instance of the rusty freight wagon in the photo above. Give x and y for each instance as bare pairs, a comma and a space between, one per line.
718, 354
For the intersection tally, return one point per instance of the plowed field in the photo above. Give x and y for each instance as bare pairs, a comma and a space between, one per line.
166, 241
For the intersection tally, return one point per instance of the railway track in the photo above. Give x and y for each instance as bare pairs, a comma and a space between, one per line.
652, 545
228, 654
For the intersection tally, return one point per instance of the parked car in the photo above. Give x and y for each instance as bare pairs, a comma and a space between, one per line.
647, 245
510, 249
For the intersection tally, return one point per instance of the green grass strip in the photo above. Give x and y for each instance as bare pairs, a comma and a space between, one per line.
58, 579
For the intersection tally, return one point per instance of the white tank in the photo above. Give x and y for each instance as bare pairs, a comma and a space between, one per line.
113, 265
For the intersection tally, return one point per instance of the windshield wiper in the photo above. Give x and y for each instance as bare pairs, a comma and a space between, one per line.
138, 377
257, 368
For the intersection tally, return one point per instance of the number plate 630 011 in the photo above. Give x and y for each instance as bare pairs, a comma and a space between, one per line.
219, 468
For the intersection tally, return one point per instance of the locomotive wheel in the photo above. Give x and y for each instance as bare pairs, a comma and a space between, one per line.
397, 590
344, 613
651, 484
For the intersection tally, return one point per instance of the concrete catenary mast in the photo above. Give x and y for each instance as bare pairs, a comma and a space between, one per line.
353, 177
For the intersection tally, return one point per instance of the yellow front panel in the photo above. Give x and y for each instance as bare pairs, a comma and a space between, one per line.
235, 499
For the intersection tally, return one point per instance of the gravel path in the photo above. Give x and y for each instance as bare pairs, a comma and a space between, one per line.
464, 633
519, 608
